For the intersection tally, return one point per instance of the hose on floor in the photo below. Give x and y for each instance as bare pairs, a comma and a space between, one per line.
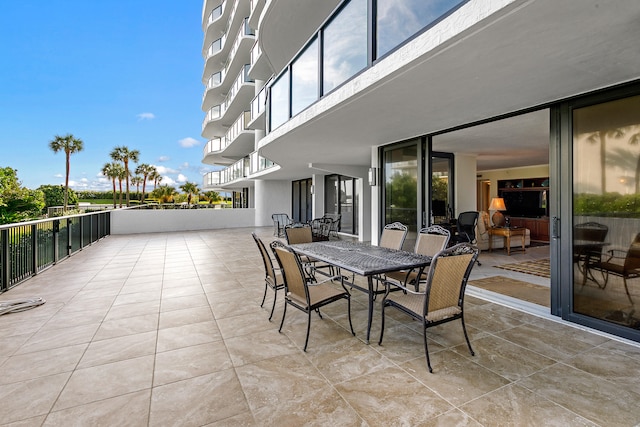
14, 306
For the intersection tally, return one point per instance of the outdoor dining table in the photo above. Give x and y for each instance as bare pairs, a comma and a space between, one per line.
362, 259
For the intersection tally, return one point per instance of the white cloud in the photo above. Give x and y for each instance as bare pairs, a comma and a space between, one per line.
58, 175
164, 158
188, 142
146, 116
163, 170
182, 178
167, 181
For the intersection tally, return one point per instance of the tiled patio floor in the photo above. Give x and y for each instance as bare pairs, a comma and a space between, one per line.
166, 329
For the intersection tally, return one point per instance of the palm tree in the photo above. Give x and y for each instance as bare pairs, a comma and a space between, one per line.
145, 171
124, 155
156, 177
212, 196
113, 171
190, 188
69, 144
164, 193
136, 180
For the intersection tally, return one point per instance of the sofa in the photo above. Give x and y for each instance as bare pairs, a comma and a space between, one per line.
482, 235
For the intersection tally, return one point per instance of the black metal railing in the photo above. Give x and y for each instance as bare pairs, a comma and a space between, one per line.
27, 248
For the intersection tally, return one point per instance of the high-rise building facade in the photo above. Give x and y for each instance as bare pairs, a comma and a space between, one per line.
418, 110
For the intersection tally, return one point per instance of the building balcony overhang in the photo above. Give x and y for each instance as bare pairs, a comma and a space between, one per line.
492, 62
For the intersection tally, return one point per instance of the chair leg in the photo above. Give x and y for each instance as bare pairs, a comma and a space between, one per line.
306, 340
349, 315
273, 307
382, 324
284, 313
265, 293
626, 289
466, 336
426, 348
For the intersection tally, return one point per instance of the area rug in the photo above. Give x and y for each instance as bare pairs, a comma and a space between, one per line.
525, 291
538, 267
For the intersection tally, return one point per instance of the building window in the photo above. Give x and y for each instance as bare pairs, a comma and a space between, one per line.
341, 197
279, 107
302, 209
398, 20
345, 45
305, 79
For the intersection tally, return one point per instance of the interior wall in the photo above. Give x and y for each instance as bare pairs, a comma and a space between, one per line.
465, 183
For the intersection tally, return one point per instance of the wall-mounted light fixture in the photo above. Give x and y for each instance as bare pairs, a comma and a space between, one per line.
373, 177
312, 189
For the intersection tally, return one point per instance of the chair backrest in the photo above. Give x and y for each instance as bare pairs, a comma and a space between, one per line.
466, 224
591, 231
632, 259
393, 235
298, 234
447, 277
266, 259
281, 219
335, 221
432, 240
292, 273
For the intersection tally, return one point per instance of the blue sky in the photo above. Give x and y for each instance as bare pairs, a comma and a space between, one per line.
123, 72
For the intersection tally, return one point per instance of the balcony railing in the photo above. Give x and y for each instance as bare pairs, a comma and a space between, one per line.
239, 126
215, 46
28, 248
245, 30
217, 111
214, 113
215, 14
259, 163
214, 145
258, 104
212, 179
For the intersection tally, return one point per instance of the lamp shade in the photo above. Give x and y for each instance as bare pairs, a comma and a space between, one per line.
497, 204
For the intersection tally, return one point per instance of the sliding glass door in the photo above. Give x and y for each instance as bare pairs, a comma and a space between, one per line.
604, 231
401, 179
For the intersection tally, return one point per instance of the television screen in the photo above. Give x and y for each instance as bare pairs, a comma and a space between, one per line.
530, 204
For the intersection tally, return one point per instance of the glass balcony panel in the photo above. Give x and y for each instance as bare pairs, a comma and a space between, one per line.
280, 101
345, 45
215, 14
305, 79
398, 20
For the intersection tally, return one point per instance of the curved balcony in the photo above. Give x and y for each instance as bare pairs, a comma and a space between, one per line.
259, 164
233, 176
214, 22
211, 95
234, 145
219, 116
260, 68
222, 54
258, 110
256, 10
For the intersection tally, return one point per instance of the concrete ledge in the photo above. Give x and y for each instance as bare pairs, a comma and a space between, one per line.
132, 221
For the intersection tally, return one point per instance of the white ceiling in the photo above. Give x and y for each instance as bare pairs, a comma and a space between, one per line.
529, 54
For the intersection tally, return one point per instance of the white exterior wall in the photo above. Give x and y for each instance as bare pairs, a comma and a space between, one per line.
465, 183
271, 197
374, 203
134, 221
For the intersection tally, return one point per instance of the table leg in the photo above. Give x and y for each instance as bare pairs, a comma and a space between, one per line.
507, 239
524, 249
371, 295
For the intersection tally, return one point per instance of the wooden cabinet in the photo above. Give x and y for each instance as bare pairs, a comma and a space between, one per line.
539, 227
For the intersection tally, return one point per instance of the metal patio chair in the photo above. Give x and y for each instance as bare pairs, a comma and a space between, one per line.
443, 299
307, 298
